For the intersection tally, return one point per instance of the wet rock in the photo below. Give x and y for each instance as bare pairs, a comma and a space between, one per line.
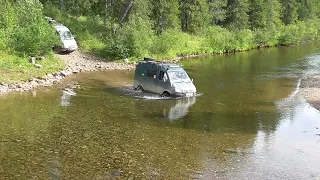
75, 71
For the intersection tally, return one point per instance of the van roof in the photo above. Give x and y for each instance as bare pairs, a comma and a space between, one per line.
159, 64
61, 27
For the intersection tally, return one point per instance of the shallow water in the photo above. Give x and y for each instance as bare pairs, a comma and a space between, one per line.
251, 122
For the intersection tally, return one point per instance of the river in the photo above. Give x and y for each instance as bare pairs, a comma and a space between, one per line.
251, 122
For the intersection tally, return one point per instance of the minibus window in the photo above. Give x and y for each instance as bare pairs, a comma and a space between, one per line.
161, 74
151, 73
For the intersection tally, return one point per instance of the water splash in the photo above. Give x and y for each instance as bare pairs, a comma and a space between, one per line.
131, 91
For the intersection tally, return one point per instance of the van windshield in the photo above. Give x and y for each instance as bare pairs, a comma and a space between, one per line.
178, 76
66, 35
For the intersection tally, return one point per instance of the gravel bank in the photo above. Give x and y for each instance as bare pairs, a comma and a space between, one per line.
311, 90
76, 62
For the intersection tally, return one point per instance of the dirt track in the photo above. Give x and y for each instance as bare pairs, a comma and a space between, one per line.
78, 61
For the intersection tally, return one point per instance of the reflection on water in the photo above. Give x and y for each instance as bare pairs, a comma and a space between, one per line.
250, 123
181, 108
67, 93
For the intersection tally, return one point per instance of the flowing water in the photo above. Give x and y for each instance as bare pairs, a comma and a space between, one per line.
251, 122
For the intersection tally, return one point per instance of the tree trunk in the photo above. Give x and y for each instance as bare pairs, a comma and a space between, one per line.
60, 4
125, 13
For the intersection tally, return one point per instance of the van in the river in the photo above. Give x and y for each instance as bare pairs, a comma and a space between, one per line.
163, 78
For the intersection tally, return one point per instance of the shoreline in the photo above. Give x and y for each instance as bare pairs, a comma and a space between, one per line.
75, 62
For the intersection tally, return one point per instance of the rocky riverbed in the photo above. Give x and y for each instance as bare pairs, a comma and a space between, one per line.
76, 62
311, 90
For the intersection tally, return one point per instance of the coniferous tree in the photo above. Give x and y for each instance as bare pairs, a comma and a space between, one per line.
257, 14
273, 12
165, 15
307, 9
217, 10
193, 15
237, 14
290, 11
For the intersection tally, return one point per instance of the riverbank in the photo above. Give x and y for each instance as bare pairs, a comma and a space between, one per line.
75, 62
311, 91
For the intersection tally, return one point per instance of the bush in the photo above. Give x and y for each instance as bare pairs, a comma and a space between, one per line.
312, 30
27, 32
244, 40
173, 43
3, 43
292, 33
219, 39
266, 36
133, 40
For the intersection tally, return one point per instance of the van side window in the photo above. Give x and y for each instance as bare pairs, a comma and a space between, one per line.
151, 73
161, 74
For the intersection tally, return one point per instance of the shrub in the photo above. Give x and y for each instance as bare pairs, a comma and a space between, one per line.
27, 32
266, 36
244, 40
3, 43
133, 40
292, 33
219, 39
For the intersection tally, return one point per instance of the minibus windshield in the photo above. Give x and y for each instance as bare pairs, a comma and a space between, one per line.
178, 76
66, 35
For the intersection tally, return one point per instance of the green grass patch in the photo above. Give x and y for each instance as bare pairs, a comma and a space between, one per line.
14, 69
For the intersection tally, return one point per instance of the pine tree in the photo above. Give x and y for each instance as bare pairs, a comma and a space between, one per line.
257, 14
273, 12
290, 11
194, 15
165, 15
237, 14
307, 9
217, 10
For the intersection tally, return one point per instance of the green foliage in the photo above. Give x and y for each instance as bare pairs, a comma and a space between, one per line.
273, 10
169, 28
238, 18
266, 36
173, 43
293, 33
219, 39
290, 11
194, 15
244, 40
308, 9
134, 40
3, 43
24, 29
165, 15
217, 11
257, 14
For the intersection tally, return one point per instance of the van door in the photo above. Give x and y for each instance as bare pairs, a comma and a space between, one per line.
151, 80
162, 82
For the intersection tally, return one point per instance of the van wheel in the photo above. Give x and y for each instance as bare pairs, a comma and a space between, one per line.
57, 49
165, 94
139, 88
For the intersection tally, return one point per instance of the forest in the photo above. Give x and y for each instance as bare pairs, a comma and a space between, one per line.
164, 29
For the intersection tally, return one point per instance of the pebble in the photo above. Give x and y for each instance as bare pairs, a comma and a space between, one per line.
76, 62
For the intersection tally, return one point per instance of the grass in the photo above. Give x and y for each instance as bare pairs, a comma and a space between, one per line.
14, 69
